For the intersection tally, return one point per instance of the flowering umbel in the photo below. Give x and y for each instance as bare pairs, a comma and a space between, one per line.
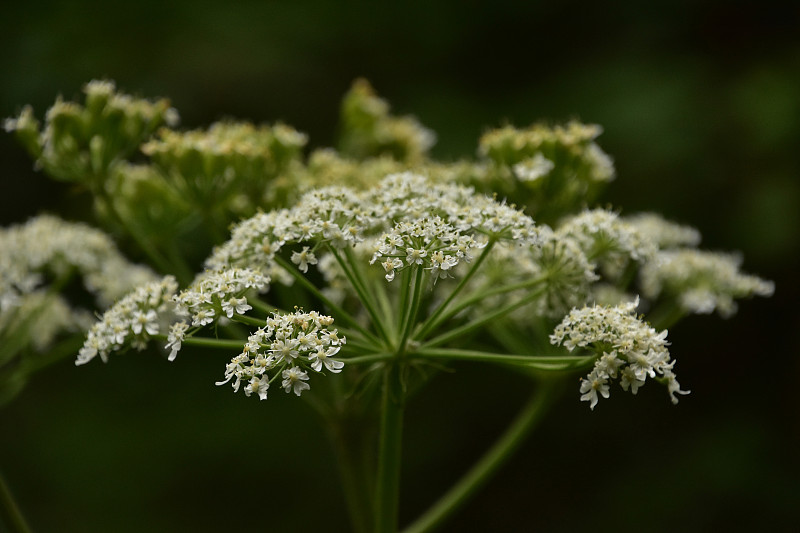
287, 346
628, 349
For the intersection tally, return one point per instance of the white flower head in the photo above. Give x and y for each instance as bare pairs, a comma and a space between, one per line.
701, 281
294, 380
132, 321
533, 168
627, 348
287, 346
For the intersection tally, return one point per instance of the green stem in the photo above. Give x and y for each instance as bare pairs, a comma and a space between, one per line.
356, 281
182, 272
341, 313
249, 320
666, 315
223, 344
410, 316
369, 358
540, 362
469, 326
431, 321
477, 297
487, 465
11, 511
391, 432
263, 306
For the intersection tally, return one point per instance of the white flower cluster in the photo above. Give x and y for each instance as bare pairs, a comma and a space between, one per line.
132, 321
46, 248
287, 347
628, 349
406, 219
701, 281
574, 141
607, 239
40, 317
428, 242
216, 294
533, 168
664, 233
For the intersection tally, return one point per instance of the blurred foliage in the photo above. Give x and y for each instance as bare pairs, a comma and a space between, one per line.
700, 109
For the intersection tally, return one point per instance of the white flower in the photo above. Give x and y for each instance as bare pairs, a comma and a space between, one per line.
304, 258
322, 357
257, 386
390, 265
146, 321
177, 332
591, 386
203, 317
673, 387
294, 380
235, 305
533, 168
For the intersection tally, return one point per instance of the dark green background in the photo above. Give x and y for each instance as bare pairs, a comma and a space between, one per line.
700, 102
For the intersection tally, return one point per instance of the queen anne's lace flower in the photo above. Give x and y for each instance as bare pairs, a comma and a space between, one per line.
48, 247
533, 168
216, 294
701, 281
626, 346
663, 233
132, 321
406, 219
607, 240
287, 346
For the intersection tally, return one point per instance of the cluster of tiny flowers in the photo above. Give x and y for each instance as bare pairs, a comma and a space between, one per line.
408, 196
510, 145
628, 349
429, 243
41, 316
701, 281
219, 294
407, 219
664, 233
606, 238
286, 347
132, 321
47, 246
533, 168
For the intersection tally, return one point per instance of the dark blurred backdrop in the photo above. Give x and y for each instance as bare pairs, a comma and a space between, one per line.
700, 101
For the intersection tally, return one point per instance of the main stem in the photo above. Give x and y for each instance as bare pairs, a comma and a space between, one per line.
391, 432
